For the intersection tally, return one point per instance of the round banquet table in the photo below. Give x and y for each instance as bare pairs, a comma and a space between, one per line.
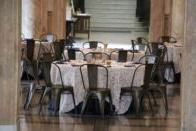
119, 76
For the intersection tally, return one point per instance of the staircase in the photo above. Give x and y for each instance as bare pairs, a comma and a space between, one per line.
114, 15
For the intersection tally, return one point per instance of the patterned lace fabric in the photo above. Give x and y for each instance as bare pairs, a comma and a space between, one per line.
119, 76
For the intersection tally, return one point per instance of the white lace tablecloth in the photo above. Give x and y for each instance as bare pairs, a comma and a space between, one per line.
174, 52
119, 76
79, 55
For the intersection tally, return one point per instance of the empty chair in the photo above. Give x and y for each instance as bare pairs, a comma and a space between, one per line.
31, 83
96, 56
160, 50
54, 91
138, 93
93, 44
143, 41
71, 52
157, 85
43, 54
29, 67
122, 55
95, 73
169, 39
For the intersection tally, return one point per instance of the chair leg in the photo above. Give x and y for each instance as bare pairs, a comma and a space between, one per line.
84, 103
111, 103
29, 98
172, 69
151, 108
154, 99
137, 101
42, 98
102, 105
166, 104
74, 102
164, 94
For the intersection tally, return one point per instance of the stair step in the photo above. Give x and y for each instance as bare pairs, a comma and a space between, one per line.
101, 6
123, 11
104, 16
114, 15
104, 3
108, 29
117, 20
108, 14
124, 25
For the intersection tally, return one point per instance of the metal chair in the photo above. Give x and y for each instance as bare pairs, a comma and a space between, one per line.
93, 44
138, 93
157, 86
122, 55
140, 46
72, 53
54, 91
160, 50
43, 54
146, 44
94, 89
29, 66
45, 49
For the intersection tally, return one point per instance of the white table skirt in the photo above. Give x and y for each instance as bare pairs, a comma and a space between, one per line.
119, 76
174, 54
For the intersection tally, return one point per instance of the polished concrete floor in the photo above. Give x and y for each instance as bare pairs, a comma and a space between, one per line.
31, 120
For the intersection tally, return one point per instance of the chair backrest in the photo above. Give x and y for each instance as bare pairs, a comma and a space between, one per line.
45, 51
49, 37
150, 62
60, 73
96, 56
93, 44
58, 49
169, 39
94, 73
122, 55
30, 48
45, 64
160, 50
142, 40
72, 53
140, 46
